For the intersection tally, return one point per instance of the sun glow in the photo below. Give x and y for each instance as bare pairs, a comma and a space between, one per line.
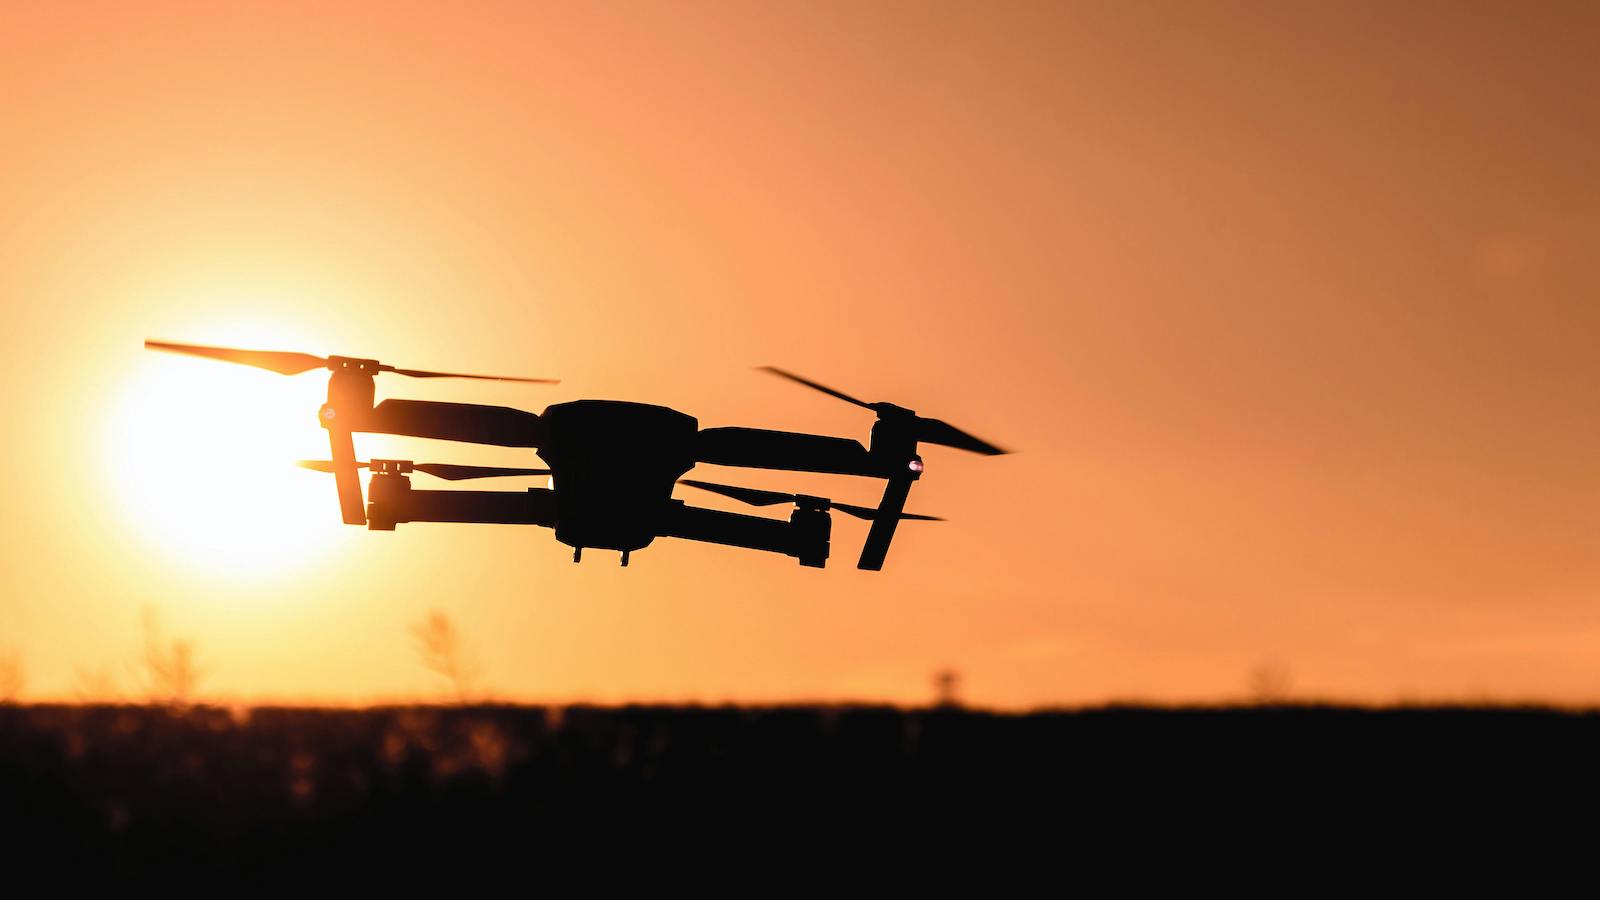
203, 455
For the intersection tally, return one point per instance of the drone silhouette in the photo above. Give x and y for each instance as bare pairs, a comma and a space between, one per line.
612, 464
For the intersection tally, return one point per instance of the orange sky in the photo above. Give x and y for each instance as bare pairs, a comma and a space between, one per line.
1292, 312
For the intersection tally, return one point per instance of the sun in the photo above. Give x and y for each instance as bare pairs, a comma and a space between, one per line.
203, 453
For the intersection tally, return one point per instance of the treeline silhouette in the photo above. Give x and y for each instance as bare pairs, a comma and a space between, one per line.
140, 785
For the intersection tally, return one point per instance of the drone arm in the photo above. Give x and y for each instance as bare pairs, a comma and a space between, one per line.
759, 448
470, 422
536, 506
734, 530
345, 478
349, 397
883, 525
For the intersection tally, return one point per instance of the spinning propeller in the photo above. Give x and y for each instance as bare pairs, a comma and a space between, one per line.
925, 430
756, 497
289, 363
438, 470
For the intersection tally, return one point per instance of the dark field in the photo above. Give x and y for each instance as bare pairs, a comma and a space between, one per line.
267, 786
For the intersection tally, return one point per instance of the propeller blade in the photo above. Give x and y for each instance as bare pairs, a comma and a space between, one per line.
460, 473
284, 363
756, 497
438, 470
819, 387
938, 431
751, 496
930, 431
868, 513
422, 373
322, 465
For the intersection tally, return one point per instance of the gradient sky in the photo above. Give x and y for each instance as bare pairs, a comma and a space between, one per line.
1291, 310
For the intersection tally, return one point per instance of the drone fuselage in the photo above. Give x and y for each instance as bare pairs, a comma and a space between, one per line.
613, 465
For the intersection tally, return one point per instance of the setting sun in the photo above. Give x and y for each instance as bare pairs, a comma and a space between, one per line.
203, 455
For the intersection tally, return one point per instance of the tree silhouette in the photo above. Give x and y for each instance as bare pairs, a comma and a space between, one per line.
1270, 683
95, 685
13, 677
441, 650
169, 671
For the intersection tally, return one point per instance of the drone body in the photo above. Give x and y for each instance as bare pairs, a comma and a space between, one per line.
612, 464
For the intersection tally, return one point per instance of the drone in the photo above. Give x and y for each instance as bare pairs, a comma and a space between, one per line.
612, 464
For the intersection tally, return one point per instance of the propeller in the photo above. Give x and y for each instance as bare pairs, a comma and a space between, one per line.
288, 363
756, 497
925, 430
438, 470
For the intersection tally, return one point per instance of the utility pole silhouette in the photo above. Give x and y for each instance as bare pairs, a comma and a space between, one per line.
947, 689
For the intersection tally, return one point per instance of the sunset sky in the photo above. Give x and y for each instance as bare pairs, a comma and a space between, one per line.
1292, 311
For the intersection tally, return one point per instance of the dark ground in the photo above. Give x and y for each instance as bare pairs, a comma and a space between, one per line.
260, 788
